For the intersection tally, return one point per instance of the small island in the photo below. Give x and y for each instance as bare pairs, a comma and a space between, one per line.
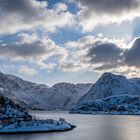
15, 119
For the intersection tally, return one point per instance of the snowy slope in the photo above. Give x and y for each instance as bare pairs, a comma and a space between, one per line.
9, 109
119, 104
39, 96
15, 119
110, 85
36, 126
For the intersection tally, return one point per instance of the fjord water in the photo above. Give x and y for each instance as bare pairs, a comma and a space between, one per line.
89, 127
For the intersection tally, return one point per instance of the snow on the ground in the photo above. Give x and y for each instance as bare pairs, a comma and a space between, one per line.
36, 126
14, 118
119, 104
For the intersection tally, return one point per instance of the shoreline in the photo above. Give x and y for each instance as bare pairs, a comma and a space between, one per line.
41, 131
36, 126
106, 114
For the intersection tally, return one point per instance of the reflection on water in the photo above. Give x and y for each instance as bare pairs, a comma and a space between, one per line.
89, 127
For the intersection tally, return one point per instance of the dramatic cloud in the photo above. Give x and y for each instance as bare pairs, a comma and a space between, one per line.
89, 53
27, 70
110, 6
132, 55
129, 71
104, 52
92, 52
129, 63
101, 12
18, 15
33, 50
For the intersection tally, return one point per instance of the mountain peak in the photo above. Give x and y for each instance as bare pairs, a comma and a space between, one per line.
108, 76
109, 84
62, 84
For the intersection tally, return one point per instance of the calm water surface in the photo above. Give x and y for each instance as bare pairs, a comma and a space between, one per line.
89, 127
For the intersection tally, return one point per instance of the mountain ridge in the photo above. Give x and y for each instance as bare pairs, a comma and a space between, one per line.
110, 84
109, 95
61, 96
65, 96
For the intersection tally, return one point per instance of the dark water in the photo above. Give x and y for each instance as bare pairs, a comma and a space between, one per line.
89, 127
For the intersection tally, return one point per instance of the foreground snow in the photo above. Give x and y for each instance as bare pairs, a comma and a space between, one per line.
15, 119
117, 105
36, 126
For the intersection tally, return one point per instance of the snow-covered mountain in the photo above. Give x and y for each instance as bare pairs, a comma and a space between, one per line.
10, 109
118, 104
113, 94
38, 96
110, 85
15, 119
64, 96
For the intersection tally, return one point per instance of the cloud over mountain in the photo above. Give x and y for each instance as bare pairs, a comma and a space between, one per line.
102, 54
132, 55
89, 53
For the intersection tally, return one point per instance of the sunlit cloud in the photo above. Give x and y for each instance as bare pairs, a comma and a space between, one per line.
95, 13
34, 50
100, 54
26, 70
103, 33
17, 15
132, 55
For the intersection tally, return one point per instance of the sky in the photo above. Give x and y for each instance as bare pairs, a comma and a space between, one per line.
75, 41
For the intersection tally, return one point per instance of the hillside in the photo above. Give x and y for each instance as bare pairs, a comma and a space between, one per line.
62, 96
110, 93
15, 119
